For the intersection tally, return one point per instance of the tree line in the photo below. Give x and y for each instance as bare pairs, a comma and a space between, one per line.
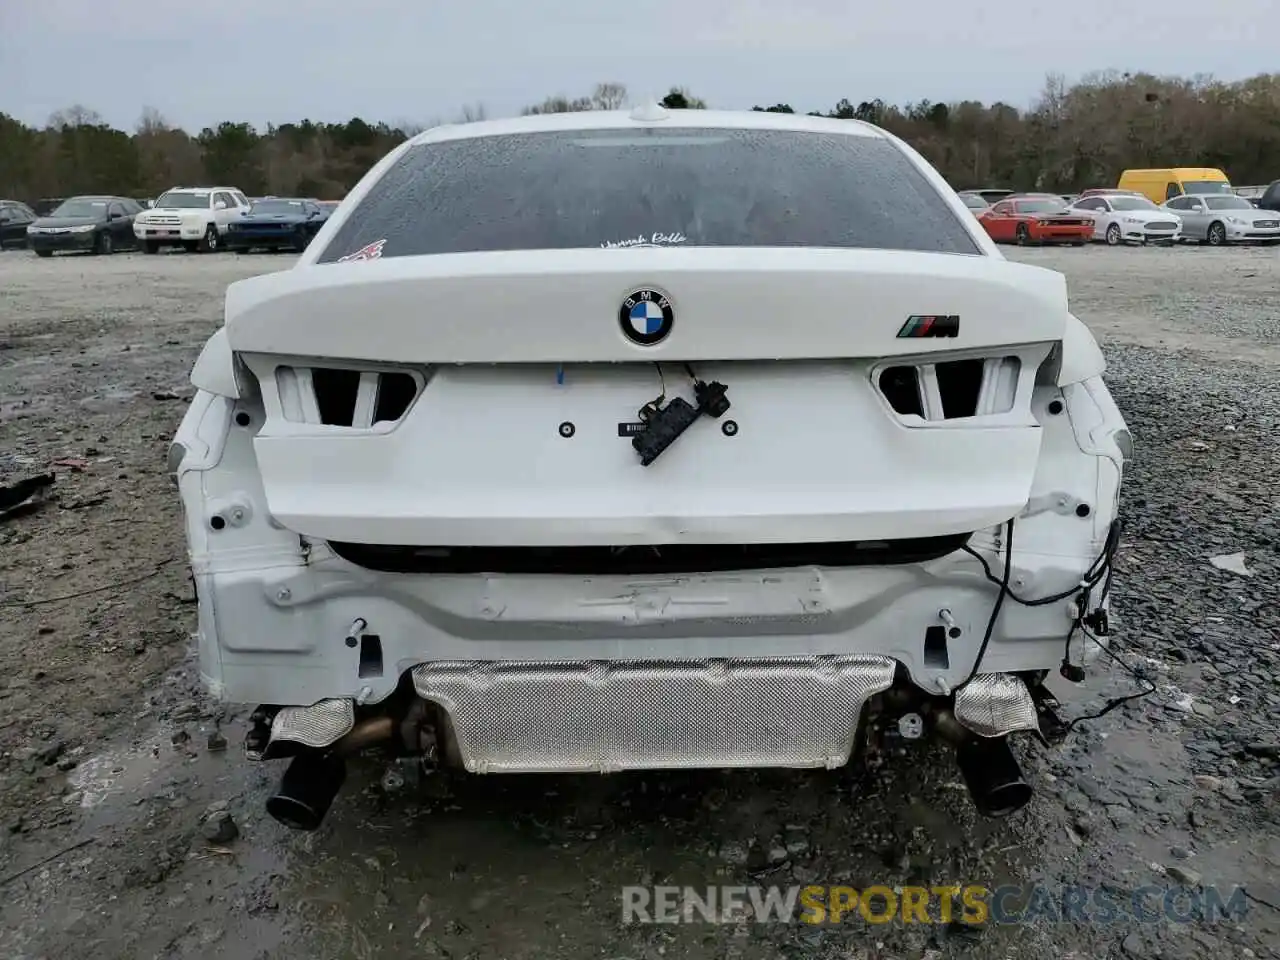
1073, 136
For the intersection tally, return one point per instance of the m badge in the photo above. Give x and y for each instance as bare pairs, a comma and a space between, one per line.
934, 325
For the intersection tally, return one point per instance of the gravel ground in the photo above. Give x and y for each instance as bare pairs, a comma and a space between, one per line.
115, 799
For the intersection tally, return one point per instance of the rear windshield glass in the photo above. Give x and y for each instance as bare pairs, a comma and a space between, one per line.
619, 188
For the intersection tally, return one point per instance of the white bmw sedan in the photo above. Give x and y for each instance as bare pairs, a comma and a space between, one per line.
609, 441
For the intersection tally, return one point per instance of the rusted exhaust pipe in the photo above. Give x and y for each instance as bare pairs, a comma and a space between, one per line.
365, 734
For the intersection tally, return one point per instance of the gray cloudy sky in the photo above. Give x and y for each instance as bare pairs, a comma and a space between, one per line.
279, 60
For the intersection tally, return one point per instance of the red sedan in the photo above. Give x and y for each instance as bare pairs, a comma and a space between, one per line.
1036, 218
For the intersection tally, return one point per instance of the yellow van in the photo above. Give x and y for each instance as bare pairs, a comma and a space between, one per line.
1161, 185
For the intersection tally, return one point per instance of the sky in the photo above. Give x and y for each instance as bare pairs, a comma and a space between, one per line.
203, 61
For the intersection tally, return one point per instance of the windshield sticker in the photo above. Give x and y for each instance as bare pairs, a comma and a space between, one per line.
371, 252
653, 240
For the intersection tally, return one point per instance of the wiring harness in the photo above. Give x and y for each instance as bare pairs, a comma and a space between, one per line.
1090, 618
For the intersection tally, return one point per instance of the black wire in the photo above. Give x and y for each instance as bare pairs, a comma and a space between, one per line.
114, 585
1115, 701
1102, 570
1101, 567
654, 405
995, 607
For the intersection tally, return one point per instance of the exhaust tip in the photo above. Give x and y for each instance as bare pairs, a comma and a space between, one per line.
992, 774
1002, 800
307, 789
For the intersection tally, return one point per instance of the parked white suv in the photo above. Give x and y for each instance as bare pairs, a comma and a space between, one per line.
193, 217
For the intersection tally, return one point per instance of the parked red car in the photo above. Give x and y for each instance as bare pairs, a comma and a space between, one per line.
1036, 218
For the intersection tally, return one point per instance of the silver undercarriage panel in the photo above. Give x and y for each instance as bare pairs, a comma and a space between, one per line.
577, 716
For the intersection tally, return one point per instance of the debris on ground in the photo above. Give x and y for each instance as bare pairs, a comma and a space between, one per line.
219, 827
1232, 563
24, 496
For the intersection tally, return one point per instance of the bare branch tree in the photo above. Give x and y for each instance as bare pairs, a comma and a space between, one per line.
151, 122
609, 96
75, 115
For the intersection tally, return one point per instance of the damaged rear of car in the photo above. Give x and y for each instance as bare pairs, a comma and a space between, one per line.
669, 439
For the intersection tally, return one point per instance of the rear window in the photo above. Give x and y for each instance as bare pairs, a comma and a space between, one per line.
619, 188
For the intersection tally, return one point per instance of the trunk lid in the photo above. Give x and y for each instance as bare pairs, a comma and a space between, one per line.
857, 414
561, 306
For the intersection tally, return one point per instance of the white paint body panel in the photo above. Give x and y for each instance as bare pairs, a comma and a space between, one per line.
798, 336
478, 460
561, 306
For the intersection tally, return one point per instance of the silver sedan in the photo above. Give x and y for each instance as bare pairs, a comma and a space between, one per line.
1219, 219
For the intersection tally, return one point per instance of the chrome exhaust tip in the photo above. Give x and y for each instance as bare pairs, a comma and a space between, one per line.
307, 789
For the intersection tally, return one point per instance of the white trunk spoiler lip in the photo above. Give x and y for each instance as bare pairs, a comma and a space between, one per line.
562, 305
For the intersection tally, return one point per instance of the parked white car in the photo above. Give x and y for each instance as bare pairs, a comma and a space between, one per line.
195, 218
1125, 218
1220, 219
662, 439
975, 202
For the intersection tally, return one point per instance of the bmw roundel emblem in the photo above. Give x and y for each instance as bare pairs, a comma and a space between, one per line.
646, 317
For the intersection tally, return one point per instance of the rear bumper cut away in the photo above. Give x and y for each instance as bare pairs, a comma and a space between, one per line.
299, 635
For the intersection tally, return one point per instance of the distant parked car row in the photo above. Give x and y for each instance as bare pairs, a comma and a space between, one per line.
1035, 218
1116, 217
206, 219
1199, 205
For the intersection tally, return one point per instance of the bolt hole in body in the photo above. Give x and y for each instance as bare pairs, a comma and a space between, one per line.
935, 647
1083, 510
243, 419
217, 522
370, 655
1055, 407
